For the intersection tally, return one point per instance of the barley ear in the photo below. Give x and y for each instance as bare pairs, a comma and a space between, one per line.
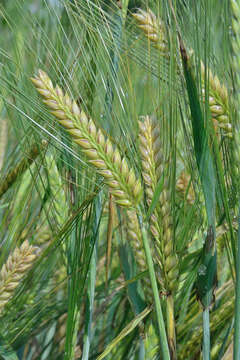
13, 271
154, 165
100, 152
21, 167
154, 30
218, 103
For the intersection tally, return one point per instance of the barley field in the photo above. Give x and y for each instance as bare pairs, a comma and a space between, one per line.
119, 179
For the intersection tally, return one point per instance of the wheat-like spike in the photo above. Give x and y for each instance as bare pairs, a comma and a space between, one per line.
21, 167
221, 315
12, 272
152, 161
185, 188
218, 103
135, 237
153, 166
121, 179
154, 30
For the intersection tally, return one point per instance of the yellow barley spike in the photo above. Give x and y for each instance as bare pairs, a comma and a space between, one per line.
121, 179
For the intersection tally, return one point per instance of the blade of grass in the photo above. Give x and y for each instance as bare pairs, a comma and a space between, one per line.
91, 287
207, 269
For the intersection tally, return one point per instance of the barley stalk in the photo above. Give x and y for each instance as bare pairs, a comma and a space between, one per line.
21, 167
13, 271
121, 179
161, 224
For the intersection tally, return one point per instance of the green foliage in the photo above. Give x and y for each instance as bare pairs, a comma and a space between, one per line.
64, 308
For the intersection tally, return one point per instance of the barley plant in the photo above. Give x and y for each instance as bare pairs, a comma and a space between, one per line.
119, 179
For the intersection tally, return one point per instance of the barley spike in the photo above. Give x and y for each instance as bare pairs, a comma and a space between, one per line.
21, 167
100, 152
12, 272
154, 30
218, 103
153, 166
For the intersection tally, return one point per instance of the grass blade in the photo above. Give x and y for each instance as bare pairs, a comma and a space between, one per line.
208, 268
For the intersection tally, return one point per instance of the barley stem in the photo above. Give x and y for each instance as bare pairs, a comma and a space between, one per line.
160, 320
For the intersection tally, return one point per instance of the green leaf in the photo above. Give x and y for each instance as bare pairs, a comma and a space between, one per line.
207, 269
